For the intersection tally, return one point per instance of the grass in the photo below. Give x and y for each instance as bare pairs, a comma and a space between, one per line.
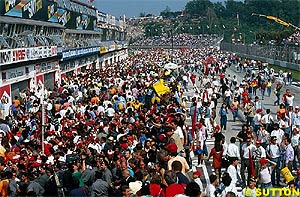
295, 73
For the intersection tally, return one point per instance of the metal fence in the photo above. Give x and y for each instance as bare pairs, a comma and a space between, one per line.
288, 54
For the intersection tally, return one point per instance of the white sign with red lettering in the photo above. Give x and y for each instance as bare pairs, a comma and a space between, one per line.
11, 56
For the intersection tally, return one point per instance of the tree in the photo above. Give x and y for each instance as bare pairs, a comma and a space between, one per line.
198, 8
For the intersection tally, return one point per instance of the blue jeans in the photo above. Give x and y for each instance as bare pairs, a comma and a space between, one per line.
263, 93
276, 171
256, 128
235, 113
249, 121
227, 101
269, 90
277, 100
223, 122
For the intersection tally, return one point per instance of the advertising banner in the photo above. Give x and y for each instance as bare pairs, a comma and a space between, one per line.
103, 50
11, 56
74, 53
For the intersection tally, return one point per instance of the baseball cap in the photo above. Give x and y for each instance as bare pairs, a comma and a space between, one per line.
263, 161
258, 141
172, 148
197, 172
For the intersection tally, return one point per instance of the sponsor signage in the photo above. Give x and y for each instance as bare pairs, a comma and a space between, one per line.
11, 56
74, 53
112, 48
103, 50
45, 67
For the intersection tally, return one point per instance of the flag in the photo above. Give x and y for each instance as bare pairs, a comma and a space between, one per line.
160, 88
238, 19
278, 20
251, 165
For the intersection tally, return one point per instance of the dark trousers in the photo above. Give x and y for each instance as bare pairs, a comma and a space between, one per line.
245, 164
276, 171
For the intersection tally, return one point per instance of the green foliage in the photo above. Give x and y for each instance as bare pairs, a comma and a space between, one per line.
198, 8
203, 16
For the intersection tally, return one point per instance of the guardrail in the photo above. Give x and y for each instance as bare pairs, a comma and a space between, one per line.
284, 56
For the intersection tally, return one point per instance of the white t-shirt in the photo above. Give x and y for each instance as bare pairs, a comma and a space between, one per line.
290, 100
110, 112
233, 174
232, 151
278, 133
257, 119
246, 148
210, 190
228, 93
179, 132
265, 175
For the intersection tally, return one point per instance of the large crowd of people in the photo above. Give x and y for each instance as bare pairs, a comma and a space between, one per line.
117, 131
184, 39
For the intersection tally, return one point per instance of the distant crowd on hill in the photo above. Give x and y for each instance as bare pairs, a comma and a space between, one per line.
178, 40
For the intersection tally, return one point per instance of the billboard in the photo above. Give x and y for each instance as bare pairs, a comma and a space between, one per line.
71, 14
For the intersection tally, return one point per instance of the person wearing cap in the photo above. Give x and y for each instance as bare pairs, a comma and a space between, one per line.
172, 148
265, 173
196, 178
273, 152
247, 151
250, 190
258, 154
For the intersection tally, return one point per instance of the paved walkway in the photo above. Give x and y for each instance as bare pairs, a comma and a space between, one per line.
233, 127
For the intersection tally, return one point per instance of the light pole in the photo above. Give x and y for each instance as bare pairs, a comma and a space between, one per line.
254, 35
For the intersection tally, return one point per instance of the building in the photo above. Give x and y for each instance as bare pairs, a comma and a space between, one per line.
43, 41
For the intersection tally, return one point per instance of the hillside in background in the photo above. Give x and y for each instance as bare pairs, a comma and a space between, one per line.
232, 18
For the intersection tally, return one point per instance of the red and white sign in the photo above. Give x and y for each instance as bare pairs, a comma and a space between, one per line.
40, 79
5, 94
11, 56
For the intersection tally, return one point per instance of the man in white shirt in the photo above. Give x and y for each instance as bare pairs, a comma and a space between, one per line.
257, 120
267, 120
211, 188
232, 149
278, 133
274, 153
232, 170
247, 149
